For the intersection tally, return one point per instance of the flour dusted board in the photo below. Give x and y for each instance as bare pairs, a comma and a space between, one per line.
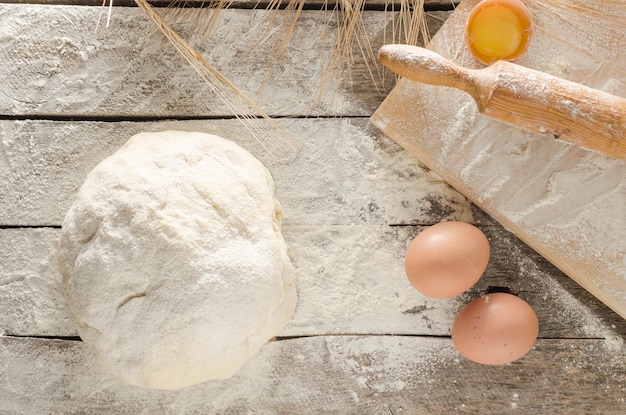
567, 203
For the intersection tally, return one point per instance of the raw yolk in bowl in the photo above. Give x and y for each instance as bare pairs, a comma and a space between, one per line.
498, 30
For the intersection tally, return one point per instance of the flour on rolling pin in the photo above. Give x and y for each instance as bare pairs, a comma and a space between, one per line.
524, 97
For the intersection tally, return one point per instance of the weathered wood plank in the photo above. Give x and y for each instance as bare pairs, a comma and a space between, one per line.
346, 375
55, 66
245, 4
357, 271
346, 171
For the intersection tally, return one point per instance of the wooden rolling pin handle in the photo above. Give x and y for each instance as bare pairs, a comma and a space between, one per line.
427, 67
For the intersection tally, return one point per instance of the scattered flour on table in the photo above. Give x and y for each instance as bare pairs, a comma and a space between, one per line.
350, 174
563, 311
359, 272
383, 364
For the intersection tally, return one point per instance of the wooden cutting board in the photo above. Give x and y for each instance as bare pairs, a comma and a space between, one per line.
567, 203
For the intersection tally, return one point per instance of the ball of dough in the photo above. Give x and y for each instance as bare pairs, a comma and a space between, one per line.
173, 260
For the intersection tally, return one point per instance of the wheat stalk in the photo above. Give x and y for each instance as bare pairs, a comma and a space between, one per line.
277, 142
351, 35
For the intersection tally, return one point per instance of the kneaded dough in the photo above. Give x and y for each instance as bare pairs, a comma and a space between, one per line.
173, 260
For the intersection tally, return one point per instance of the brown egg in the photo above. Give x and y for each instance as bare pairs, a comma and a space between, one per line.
446, 259
495, 329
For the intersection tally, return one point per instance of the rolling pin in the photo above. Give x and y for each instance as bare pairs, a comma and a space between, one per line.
532, 100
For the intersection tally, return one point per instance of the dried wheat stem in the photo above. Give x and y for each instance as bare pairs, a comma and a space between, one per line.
277, 143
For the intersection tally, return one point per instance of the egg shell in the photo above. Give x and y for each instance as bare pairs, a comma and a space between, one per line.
495, 329
447, 259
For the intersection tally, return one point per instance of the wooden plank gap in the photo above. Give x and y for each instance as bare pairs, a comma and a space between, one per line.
112, 118
34, 336
30, 226
157, 118
430, 336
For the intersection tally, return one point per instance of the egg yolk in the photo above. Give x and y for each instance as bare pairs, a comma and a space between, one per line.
496, 32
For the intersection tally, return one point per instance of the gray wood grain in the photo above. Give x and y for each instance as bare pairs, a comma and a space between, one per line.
56, 66
342, 375
345, 171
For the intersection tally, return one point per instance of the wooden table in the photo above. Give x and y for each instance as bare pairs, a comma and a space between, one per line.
362, 341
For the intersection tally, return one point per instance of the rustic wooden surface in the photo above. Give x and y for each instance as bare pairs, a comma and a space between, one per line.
362, 340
